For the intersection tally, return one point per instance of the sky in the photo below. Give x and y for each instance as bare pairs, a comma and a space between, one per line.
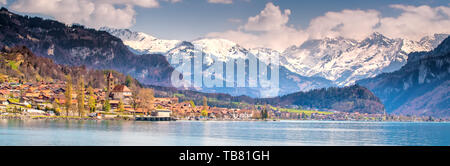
276, 24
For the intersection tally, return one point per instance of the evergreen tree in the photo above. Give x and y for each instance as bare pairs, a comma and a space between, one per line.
128, 81
106, 106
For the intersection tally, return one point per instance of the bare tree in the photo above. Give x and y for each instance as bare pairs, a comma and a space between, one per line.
145, 98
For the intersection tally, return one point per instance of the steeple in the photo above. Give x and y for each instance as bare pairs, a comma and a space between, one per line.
110, 82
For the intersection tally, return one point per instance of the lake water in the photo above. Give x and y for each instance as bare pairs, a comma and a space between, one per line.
188, 133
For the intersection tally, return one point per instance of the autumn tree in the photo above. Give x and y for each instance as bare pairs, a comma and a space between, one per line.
145, 97
92, 101
205, 106
68, 94
80, 97
120, 106
56, 107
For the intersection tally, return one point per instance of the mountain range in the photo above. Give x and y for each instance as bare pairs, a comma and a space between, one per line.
221, 50
340, 60
421, 87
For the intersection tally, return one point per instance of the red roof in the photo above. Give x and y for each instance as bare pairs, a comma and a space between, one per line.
121, 88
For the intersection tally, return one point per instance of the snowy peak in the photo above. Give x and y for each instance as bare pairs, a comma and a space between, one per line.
339, 59
220, 47
126, 34
427, 43
345, 60
377, 39
142, 43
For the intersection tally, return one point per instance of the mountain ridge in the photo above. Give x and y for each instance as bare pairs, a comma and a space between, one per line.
76, 45
421, 87
341, 60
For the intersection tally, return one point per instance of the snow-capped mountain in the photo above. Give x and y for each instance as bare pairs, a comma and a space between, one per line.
222, 50
142, 43
344, 60
340, 60
420, 87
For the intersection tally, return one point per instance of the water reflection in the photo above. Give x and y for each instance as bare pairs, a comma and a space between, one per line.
187, 133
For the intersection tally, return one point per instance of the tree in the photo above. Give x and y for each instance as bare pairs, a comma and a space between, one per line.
205, 106
128, 81
264, 114
145, 98
92, 101
134, 101
80, 97
120, 106
204, 113
56, 107
106, 106
68, 94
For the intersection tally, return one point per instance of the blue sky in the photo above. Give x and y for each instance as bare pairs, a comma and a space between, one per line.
290, 21
191, 19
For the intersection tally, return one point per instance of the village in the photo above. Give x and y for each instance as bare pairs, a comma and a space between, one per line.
114, 101
117, 101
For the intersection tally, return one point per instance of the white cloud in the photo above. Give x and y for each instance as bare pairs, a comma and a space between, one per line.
2, 2
92, 13
354, 24
221, 1
270, 27
415, 22
267, 29
271, 18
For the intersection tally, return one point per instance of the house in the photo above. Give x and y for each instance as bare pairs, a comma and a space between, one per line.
162, 113
121, 92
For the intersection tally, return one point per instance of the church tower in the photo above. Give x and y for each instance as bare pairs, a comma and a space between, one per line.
110, 82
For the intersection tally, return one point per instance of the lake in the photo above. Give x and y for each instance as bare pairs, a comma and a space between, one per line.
190, 133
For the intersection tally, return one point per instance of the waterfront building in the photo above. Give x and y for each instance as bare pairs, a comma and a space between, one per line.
121, 92
162, 113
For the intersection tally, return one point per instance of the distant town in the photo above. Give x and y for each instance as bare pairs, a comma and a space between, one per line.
63, 100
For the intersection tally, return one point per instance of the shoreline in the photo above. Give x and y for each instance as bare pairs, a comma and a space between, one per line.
31, 117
